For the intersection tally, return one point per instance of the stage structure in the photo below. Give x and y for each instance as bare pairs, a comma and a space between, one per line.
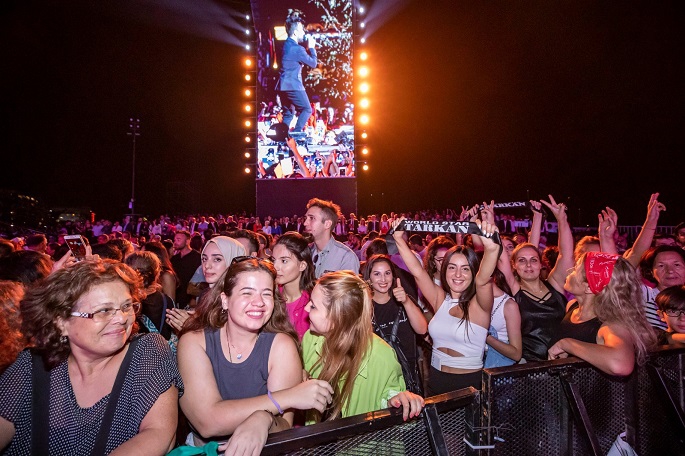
304, 143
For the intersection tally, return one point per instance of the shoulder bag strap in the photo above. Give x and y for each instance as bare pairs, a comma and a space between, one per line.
40, 406
164, 308
106, 425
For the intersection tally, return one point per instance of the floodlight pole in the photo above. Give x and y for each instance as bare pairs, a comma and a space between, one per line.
134, 125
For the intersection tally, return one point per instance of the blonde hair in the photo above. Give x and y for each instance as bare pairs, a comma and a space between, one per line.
620, 302
350, 309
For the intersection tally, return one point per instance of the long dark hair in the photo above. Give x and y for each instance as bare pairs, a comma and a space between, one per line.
474, 265
298, 246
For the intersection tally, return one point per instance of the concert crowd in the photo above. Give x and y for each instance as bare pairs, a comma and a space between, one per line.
216, 331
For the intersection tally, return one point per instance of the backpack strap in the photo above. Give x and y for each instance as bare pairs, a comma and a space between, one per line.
40, 406
106, 425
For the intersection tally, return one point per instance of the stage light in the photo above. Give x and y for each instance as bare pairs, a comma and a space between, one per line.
363, 71
364, 119
365, 167
364, 87
247, 46
365, 151
362, 41
247, 155
364, 103
247, 31
248, 123
247, 17
364, 135
247, 139
248, 92
248, 77
363, 56
275, 66
362, 24
361, 10
248, 108
247, 170
248, 62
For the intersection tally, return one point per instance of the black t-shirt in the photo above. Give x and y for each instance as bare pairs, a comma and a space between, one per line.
185, 267
384, 316
540, 319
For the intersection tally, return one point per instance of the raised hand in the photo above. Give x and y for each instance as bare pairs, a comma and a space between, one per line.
537, 206
488, 211
558, 209
654, 209
608, 221
399, 292
397, 234
487, 229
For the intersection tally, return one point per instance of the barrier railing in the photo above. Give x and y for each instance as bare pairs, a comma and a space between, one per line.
561, 407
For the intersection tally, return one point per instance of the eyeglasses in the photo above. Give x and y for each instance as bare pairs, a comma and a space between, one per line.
675, 312
107, 313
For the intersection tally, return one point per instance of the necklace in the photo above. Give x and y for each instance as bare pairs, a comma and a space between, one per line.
238, 356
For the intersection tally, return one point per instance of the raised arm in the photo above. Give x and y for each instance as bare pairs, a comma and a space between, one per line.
644, 239
414, 313
484, 295
536, 224
565, 262
433, 293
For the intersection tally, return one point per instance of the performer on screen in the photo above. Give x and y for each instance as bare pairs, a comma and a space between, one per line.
290, 88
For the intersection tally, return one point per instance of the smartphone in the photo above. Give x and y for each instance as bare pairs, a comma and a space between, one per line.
77, 244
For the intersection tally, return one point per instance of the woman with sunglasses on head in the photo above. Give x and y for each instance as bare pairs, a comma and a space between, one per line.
94, 387
295, 277
341, 348
240, 362
606, 324
462, 304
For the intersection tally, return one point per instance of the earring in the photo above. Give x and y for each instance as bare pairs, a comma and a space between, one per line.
223, 311
63, 339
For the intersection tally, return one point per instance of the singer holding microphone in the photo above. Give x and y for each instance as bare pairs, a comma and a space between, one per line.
290, 88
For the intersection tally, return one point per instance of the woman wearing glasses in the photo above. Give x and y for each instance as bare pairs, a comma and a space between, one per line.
240, 363
94, 388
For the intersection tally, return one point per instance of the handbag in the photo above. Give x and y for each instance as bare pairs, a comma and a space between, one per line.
411, 379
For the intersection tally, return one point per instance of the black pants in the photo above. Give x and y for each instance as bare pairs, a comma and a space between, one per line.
442, 382
299, 100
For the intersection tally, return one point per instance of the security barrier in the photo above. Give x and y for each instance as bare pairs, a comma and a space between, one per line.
561, 407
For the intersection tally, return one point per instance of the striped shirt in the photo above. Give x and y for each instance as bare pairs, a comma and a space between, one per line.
649, 301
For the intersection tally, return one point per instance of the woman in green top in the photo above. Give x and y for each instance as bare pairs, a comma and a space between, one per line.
341, 348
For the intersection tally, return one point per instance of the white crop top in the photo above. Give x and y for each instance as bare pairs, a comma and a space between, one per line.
456, 334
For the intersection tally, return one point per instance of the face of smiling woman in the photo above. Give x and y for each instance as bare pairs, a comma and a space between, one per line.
251, 302
93, 338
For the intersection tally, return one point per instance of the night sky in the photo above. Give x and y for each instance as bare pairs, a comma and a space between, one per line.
470, 100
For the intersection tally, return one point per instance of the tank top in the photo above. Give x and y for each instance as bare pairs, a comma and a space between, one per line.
464, 337
584, 332
497, 320
540, 319
243, 380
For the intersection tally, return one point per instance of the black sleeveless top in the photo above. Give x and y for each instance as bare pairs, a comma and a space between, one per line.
584, 332
540, 319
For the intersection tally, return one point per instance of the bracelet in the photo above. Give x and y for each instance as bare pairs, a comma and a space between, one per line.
278, 407
273, 419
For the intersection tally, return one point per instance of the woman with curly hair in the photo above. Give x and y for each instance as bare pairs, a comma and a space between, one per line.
341, 348
605, 325
95, 389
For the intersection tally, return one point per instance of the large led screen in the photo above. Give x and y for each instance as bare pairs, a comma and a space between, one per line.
304, 94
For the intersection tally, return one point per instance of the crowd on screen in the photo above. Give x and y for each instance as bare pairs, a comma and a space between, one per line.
219, 330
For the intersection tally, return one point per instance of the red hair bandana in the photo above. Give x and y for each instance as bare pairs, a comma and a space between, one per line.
598, 269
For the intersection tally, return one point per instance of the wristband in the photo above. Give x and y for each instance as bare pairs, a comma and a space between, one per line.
278, 407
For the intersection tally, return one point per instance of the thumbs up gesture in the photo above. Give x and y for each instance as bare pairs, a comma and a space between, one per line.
399, 293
